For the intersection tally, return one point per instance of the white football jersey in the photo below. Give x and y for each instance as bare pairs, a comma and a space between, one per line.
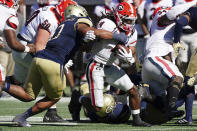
40, 18
160, 42
8, 19
141, 14
150, 7
101, 50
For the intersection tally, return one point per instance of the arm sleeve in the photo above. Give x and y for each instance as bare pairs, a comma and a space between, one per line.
177, 10
182, 21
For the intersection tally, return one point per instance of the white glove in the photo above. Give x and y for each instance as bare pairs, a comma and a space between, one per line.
68, 65
128, 57
89, 36
192, 81
177, 47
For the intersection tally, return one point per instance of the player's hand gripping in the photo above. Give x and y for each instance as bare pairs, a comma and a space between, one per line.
89, 36
127, 56
31, 47
192, 80
177, 47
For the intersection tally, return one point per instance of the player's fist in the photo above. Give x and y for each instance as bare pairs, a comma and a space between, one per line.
32, 48
177, 47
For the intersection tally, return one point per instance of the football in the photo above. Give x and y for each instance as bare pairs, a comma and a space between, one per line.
120, 46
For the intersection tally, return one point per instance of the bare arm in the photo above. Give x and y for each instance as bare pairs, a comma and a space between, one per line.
103, 34
13, 43
83, 28
41, 39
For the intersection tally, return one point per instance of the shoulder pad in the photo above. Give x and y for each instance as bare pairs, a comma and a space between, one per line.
12, 23
107, 24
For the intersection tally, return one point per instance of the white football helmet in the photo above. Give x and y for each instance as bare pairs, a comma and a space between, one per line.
109, 105
125, 15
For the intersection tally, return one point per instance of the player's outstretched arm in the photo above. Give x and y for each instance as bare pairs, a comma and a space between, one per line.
99, 33
13, 43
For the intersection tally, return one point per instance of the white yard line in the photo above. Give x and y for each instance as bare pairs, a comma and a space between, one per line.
64, 99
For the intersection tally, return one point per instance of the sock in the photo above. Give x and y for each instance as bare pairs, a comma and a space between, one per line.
173, 93
28, 113
188, 106
143, 105
6, 87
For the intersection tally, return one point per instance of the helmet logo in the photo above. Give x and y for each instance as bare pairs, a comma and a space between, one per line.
120, 7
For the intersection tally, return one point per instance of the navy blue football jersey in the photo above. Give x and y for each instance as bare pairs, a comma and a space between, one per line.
193, 17
65, 42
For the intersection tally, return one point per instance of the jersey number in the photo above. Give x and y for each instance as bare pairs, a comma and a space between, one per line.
57, 34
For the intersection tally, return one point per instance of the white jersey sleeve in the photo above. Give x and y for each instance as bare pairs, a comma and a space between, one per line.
47, 22
11, 23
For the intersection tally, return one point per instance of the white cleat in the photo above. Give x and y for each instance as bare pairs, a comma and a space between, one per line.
21, 121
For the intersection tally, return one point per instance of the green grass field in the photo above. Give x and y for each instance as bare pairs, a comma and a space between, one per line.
9, 108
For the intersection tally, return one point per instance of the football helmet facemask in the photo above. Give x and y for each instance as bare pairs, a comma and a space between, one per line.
125, 15
109, 105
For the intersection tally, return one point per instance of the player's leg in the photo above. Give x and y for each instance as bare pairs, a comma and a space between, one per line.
118, 78
95, 78
25, 94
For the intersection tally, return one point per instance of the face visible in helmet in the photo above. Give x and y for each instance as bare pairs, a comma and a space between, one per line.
125, 15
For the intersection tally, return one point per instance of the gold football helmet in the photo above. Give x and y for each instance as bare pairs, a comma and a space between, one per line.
76, 11
109, 105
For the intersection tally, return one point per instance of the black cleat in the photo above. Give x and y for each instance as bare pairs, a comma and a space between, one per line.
175, 113
141, 123
52, 116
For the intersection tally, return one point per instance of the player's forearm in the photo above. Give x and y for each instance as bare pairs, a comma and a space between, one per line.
182, 21
12, 41
179, 9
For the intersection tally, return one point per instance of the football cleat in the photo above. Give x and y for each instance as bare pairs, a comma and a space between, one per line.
141, 123
21, 121
175, 113
184, 121
52, 116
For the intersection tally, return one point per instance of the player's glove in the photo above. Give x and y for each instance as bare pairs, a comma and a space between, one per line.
89, 36
191, 81
68, 65
126, 56
177, 47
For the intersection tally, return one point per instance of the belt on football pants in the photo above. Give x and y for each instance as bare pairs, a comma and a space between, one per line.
99, 64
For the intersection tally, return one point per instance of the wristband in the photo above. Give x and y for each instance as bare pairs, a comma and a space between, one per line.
120, 37
27, 49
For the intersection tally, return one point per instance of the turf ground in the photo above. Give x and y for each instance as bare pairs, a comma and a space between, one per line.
10, 107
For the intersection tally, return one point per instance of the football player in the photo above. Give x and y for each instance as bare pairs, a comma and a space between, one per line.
38, 29
65, 42
9, 23
187, 18
102, 68
158, 69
